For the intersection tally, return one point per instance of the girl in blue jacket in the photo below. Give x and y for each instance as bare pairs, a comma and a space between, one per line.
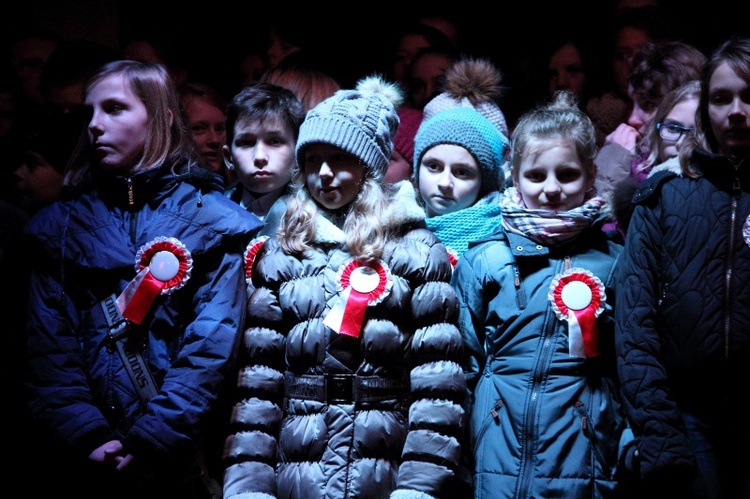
536, 301
137, 297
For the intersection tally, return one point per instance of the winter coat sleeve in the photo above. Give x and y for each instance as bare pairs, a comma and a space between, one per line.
653, 415
250, 449
61, 395
432, 452
613, 166
469, 285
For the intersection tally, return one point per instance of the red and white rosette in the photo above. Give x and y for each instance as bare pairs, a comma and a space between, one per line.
362, 285
578, 297
452, 256
163, 266
250, 253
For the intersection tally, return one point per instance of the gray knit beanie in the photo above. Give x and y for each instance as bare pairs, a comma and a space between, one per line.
362, 122
468, 128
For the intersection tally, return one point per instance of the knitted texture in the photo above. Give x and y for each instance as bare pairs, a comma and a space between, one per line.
467, 128
362, 124
403, 142
489, 110
456, 229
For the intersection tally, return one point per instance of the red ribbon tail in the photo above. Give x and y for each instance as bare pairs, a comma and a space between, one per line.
589, 332
141, 301
354, 313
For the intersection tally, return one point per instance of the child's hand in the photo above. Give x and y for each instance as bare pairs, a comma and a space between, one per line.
108, 453
625, 136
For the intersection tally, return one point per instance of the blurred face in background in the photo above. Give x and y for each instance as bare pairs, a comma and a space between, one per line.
408, 46
425, 77
566, 70
208, 128
627, 41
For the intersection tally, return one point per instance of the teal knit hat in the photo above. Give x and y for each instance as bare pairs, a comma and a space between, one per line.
468, 128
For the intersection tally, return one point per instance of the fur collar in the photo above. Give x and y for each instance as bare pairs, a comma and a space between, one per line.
402, 209
672, 164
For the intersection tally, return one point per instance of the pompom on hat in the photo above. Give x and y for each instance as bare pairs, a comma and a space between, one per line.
468, 128
362, 122
472, 83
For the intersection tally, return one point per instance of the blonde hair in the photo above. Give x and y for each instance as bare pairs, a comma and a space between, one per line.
168, 139
362, 222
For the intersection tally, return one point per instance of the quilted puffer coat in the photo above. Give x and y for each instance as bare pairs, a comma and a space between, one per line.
325, 415
683, 317
84, 251
543, 423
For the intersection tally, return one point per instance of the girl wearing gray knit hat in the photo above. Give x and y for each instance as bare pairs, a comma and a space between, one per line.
351, 381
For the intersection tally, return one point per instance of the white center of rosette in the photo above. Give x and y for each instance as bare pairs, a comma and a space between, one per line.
164, 265
364, 279
576, 295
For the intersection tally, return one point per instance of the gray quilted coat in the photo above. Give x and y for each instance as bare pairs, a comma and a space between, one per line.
294, 442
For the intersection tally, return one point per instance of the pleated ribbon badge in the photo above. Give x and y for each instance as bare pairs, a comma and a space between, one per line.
578, 297
163, 266
361, 285
253, 248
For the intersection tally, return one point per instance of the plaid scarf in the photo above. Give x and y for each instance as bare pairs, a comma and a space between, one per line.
546, 226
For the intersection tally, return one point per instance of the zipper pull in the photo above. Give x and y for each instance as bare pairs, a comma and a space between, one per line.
131, 201
497, 407
736, 184
567, 263
584, 419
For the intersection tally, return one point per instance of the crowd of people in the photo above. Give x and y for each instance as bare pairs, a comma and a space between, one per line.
435, 279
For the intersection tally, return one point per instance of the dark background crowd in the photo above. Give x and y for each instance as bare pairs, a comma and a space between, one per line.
211, 37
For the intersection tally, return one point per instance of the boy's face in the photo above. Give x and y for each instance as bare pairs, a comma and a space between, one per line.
262, 155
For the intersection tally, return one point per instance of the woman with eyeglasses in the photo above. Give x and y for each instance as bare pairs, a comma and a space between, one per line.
682, 327
663, 136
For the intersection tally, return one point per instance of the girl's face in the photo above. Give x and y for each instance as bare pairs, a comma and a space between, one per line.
683, 114
333, 176
449, 179
118, 127
729, 111
552, 177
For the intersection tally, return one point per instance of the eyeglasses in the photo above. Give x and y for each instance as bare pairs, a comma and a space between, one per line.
672, 132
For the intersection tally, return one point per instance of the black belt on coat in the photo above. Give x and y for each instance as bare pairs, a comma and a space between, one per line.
343, 388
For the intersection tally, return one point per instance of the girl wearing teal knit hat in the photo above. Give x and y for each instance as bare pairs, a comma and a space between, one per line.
458, 158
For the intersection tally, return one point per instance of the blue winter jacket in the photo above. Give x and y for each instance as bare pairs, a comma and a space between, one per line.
542, 423
84, 251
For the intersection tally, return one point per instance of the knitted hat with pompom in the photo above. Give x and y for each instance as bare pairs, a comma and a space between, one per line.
362, 122
468, 128
473, 83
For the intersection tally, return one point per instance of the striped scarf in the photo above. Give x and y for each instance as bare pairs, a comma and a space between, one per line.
546, 226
